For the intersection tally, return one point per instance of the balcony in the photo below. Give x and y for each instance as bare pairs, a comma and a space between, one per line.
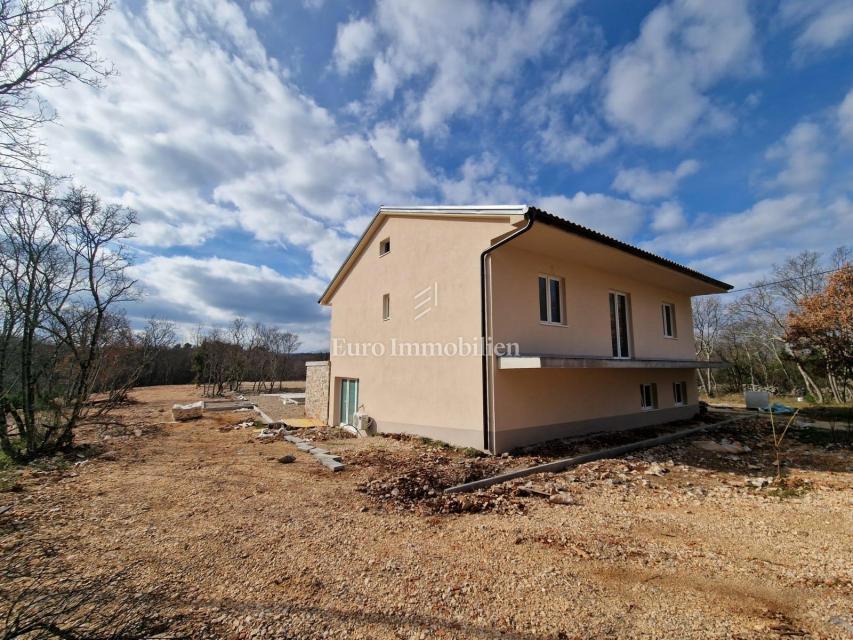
550, 361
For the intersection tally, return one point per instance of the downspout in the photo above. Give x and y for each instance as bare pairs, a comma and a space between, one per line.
530, 214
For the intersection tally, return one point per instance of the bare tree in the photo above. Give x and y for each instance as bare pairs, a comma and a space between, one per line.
43, 43
708, 321
63, 271
769, 303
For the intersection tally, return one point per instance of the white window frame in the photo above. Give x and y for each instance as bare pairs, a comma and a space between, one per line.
682, 391
652, 386
630, 345
382, 250
673, 328
386, 306
549, 278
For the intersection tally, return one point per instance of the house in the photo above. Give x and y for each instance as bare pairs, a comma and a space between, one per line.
498, 326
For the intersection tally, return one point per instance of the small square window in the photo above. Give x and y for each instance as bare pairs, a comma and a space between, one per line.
679, 393
667, 311
551, 299
386, 306
385, 246
648, 396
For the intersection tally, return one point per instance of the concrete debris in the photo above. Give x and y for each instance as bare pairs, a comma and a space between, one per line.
724, 446
333, 456
562, 498
274, 432
759, 483
655, 469
226, 405
183, 412
331, 463
357, 432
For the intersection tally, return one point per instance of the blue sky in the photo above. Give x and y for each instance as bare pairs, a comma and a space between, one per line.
256, 139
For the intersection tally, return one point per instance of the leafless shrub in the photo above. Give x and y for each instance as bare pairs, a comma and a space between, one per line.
41, 597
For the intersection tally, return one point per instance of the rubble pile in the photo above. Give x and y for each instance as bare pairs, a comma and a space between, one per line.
321, 434
420, 487
248, 424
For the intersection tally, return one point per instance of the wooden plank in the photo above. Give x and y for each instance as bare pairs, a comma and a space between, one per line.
565, 463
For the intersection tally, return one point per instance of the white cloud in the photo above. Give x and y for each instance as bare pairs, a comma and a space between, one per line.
261, 8
822, 25
482, 182
734, 244
845, 116
464, 51
214, 291
578, 144
803, 157
203, 133
613, 216
656, 89
669, 216
576, 77
355, 43
642, 184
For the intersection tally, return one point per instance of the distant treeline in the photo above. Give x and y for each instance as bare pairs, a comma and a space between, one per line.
176, 365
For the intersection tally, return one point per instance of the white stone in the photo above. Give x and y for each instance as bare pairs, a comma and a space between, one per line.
181, 412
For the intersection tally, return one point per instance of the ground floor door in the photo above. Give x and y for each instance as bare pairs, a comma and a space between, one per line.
349, 400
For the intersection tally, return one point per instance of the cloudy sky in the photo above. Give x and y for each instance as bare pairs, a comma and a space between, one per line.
257, 138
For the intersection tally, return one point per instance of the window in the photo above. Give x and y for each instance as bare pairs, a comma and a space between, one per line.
551, 299
648, 396
679, 393
619, 325
386, 306
385, 246
667, 311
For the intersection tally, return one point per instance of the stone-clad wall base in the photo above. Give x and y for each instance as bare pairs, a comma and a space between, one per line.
317, 390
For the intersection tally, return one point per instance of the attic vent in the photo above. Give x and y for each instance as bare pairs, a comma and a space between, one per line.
385, 246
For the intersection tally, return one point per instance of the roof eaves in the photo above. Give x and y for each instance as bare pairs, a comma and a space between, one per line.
586, 232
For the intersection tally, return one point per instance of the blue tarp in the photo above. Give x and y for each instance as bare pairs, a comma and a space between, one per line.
777, 407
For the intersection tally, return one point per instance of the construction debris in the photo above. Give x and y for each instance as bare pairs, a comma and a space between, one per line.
226, 405
236, 427
724, 446
323, 456
183, 412
419, 488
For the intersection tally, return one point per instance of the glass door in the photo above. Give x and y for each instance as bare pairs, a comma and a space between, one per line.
619, 325
349, 400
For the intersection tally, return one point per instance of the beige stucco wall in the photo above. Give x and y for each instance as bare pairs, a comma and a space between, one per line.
538, 404
515, 300
440, 397
532, 404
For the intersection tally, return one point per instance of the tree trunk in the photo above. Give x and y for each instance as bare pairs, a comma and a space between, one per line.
811, 387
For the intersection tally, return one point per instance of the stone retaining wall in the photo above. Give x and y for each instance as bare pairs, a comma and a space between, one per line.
317, 390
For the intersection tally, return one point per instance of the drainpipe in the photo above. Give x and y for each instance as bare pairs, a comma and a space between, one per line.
530, 214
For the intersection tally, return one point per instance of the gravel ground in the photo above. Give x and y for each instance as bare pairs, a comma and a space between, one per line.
216, 539
276, 409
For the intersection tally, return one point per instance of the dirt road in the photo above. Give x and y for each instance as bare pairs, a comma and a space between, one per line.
226, 542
